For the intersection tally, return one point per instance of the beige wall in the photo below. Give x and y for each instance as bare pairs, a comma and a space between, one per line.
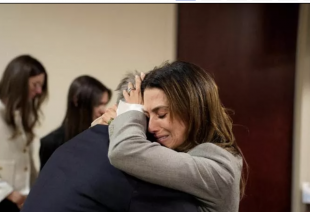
301, 151
104, 41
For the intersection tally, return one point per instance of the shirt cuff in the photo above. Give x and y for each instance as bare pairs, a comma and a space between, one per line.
96, 121
5, 189
124, 107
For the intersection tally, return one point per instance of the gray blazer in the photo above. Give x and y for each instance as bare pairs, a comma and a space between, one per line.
207, 171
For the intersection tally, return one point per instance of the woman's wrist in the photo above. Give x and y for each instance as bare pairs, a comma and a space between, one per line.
16, 197
124, 107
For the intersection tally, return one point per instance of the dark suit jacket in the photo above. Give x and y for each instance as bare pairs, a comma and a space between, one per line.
79, 177
50, 143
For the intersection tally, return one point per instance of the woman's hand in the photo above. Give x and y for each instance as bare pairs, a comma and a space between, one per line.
107, 117
133, 94
17, 198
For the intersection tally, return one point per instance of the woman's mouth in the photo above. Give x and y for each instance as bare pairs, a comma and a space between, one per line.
162, 139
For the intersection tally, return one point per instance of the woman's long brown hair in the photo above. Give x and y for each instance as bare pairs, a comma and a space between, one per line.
14, 93
194, 99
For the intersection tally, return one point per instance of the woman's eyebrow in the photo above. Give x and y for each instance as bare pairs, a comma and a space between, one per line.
156, 109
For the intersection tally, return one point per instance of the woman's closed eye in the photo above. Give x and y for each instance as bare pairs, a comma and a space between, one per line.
36, 84
162, 116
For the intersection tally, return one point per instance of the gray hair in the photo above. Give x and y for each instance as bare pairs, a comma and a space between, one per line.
123, 85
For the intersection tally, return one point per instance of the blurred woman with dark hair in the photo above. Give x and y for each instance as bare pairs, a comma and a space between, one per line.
23, 88
87, 99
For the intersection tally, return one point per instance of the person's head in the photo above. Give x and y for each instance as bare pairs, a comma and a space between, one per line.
23, 87
123, 85
87, 99
184, 109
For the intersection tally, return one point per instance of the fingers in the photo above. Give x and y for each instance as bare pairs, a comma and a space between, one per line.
139, 80
130, 85
109, 114
142, 75
105, 119
133, 94
138, 83
126, 95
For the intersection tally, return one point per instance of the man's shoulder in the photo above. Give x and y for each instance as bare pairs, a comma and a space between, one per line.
95, 134
81, 166
86, 152
97, 129
90, 145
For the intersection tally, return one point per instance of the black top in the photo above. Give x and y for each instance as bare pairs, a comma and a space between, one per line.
50, 143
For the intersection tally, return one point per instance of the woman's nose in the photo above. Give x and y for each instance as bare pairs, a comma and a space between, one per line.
102, 110
153, 127
39, 90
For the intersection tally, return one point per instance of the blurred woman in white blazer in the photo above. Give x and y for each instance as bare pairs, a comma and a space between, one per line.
23, 88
